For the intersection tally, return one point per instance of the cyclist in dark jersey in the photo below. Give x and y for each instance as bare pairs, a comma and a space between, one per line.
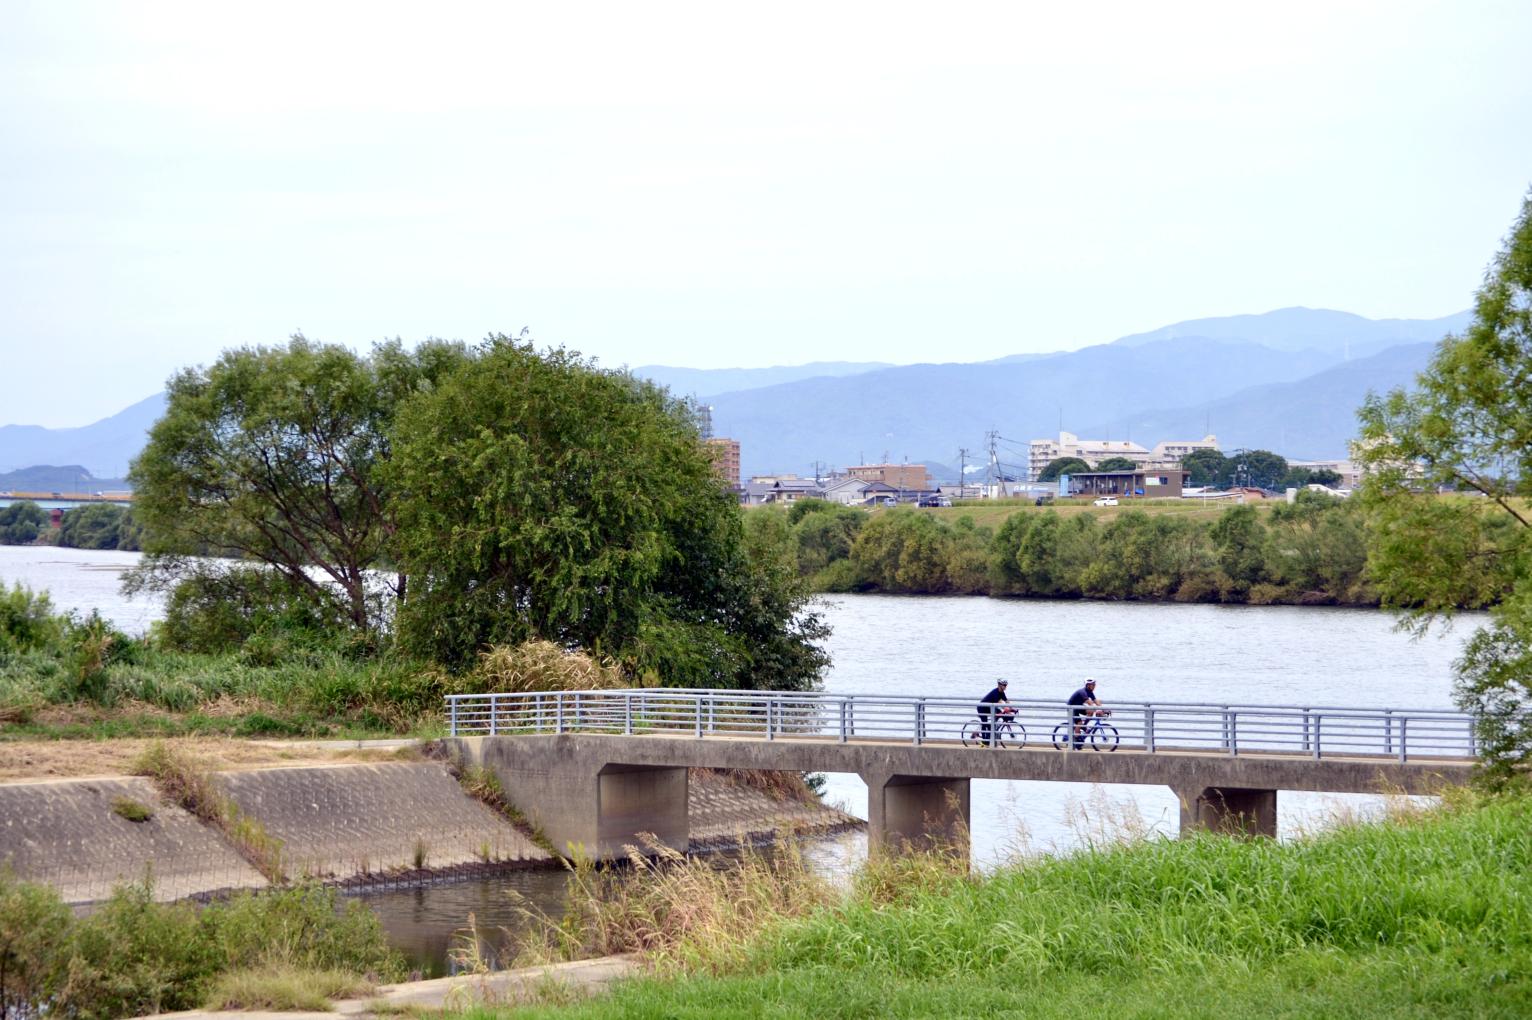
987, 707
1085, 696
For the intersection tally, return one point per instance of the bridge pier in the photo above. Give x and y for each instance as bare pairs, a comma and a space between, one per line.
916, 812
1236, 811
582, 800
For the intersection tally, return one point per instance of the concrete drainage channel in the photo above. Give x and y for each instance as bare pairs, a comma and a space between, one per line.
358, 825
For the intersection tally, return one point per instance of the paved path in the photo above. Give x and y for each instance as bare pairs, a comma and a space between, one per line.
508, 987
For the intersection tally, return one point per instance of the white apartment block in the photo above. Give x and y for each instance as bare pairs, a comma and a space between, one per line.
1041, 452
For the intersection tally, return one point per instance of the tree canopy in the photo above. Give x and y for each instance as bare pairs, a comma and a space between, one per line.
536, 495
1062, 466
21, 522
269, 455
1466, 427
1206, 467
1117, 464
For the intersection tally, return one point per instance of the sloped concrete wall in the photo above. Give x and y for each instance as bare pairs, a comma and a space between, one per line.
337, 822
65, 833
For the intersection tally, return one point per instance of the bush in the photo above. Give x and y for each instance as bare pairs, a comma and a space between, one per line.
34, 932
27, 620
22, 522
219, 612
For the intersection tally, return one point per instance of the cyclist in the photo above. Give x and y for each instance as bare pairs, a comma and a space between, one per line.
1085, 696
987, 708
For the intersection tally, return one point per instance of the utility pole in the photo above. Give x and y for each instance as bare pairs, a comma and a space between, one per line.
995, 472
962, 469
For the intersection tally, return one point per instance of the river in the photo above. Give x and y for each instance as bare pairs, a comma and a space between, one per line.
923, 645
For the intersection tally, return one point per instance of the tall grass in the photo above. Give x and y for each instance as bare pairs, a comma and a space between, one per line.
1425, 915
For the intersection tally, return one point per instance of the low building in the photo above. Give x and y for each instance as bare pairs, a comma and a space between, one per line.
900, 476
847, 491
1350, 474
1154, 483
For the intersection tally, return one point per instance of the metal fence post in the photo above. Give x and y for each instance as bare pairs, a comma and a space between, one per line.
1305, 729
1233, 733
1404, 729
627, 714
699, 716
843, 722
769, 703
920, 720
1318, 723
558, 713
1388, 731
452, 714
1149, 729
712, 723
494, 714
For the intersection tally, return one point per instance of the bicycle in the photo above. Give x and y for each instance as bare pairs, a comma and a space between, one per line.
1009, 732
1101, 734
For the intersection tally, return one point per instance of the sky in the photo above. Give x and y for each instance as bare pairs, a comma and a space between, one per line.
718, 185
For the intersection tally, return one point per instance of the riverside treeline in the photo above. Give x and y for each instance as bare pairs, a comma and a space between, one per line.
1310, 552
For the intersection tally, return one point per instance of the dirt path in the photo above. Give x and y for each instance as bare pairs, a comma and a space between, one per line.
32, 760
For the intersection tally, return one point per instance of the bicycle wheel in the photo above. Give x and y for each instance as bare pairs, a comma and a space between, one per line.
1104, 737
1061, 736
973, 734
1013, 735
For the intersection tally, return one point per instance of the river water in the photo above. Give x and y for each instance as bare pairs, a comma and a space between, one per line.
958, 647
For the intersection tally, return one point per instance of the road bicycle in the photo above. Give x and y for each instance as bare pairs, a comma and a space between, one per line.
1101, 734
1009, 732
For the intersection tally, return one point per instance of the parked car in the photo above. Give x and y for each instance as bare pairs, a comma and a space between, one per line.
1104, 501
935, 501
1043, 500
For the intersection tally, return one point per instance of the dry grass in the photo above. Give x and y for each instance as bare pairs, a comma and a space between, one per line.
784, 786
291, 990
535, 666
679, 913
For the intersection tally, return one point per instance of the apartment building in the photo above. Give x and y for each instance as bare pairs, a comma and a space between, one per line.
725, 457
1042, 452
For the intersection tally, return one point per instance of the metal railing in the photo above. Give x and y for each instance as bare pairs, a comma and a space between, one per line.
1315, 731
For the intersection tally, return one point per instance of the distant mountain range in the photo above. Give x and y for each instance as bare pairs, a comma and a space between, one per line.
105, 447
1288, 380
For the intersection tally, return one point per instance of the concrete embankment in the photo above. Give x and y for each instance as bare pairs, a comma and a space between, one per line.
335, 822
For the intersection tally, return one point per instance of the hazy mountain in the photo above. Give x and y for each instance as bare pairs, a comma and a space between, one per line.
706, 382
928, 411
1296, 329
104, 447
1239, 374
57, 478
1309, 419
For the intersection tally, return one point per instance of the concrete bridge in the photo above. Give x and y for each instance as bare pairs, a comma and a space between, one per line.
596, 768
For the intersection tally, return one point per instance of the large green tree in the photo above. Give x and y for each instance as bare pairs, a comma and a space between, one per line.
538, 496
1062, 466
270, 455
1466, 427
1206, 467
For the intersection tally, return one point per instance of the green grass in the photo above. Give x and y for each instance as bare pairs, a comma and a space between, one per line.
1421, 917
993, 513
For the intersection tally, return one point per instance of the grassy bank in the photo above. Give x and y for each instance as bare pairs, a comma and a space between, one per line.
1427, 916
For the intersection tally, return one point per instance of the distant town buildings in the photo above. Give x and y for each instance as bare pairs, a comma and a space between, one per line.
1167, 454
725, 456
1351, 475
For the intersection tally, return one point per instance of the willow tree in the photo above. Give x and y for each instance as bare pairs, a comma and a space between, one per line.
1466, 429
536, 495
270, 455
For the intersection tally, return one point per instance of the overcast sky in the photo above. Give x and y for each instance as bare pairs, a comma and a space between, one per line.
728, 184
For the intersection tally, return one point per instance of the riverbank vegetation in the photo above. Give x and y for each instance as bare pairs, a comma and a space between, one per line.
1428, 914
1314, 551
133, 956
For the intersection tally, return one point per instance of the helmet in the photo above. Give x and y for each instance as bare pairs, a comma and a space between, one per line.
1090, 679
1001, 683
